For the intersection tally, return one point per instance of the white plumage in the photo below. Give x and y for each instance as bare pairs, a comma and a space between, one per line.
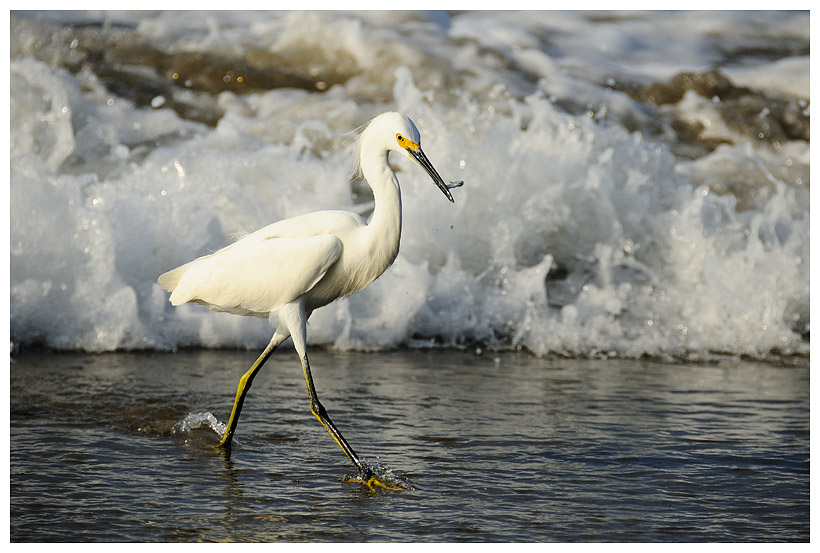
288, 269
250, 277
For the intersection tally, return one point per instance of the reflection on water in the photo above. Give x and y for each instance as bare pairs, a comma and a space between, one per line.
508, 449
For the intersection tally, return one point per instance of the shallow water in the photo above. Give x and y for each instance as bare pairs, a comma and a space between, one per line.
498, 448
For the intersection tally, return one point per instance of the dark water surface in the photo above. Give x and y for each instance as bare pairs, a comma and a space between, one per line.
507, 448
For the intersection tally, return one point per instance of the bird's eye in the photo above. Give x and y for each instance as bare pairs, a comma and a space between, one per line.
400, 138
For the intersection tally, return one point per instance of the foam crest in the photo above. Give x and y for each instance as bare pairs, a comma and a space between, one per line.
575, 233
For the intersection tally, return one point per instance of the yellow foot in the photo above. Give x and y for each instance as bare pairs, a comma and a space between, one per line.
376, 476
374, 482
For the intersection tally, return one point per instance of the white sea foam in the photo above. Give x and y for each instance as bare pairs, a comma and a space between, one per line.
573, 234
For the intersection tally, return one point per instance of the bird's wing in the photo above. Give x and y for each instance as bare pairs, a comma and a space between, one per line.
259, 274
334, 222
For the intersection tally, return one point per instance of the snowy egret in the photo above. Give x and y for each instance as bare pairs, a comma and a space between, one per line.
286, 270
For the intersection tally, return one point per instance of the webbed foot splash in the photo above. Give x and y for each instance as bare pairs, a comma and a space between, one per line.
378, 477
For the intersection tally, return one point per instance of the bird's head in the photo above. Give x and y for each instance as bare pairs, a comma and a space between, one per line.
398, 133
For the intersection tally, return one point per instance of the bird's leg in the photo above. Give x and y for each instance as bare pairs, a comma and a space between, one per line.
366, 474
245, 385
320, 413
295, 319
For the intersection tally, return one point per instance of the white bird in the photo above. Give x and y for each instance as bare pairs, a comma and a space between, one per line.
288, 269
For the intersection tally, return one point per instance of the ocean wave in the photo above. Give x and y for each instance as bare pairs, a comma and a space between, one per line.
629, 208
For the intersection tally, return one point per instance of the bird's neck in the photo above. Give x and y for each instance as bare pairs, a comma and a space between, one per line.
384, 227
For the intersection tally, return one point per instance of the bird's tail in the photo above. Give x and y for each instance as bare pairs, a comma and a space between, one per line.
169, 280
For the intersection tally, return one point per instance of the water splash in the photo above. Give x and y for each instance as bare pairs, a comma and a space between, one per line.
378, 477
197, 421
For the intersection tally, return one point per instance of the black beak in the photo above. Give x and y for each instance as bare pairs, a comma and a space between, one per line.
422, 160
